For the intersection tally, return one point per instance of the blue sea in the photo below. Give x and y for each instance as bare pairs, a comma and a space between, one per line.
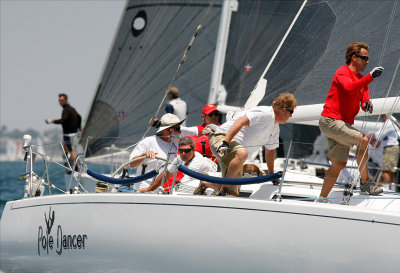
12, 189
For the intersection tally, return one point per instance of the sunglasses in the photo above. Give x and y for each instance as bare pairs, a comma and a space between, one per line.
213, 114
290, 111
365, 58
185, 151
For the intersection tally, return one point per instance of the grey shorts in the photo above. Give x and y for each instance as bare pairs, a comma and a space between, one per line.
390, 158
340, 136
216, 140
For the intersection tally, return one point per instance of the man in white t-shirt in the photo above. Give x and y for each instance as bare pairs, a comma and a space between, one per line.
210, 115
387, 138
246, 132
158, 145
187, 157
176, 106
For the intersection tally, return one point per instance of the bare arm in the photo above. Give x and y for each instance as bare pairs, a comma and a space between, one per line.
156, 182
148, 154
270, 159
237, 125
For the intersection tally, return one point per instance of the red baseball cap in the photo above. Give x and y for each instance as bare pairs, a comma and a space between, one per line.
208, 108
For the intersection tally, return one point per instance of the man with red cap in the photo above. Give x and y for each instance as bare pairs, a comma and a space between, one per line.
209, 115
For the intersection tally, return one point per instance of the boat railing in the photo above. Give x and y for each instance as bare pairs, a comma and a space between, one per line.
35, 184
78, 168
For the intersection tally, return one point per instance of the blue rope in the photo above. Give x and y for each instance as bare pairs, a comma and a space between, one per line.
230, 181
122, 181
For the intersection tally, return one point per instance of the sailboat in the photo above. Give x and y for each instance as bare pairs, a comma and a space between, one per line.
291, 46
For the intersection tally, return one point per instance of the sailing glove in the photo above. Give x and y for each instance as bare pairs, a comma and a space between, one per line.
223, 148
368, 107
155, 122
376, 72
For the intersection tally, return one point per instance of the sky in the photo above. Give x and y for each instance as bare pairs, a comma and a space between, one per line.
51, 47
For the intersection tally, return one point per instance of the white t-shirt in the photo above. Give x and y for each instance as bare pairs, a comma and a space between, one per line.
180, 109
387, 134
199, 163
262, 130
157, 145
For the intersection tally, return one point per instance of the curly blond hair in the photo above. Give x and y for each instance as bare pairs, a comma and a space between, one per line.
285, 100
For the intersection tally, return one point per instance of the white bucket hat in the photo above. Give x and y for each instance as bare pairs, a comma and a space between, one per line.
169, 120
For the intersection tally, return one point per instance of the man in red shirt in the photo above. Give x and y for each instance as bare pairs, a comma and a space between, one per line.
349, 91
210, 115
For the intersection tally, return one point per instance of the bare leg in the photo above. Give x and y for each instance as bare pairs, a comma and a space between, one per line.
66, 149
362, 156
331, 176
388, 177
73, 155
236, 164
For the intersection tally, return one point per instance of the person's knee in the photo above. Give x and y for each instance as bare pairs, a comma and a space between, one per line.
242, 154
363, 143
338, 165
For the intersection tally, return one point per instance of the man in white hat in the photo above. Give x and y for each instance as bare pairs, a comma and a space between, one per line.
158, 145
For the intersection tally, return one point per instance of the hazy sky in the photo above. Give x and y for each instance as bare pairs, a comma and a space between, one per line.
49, 47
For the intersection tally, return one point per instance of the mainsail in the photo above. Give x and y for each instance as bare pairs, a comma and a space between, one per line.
153, 35
144, 57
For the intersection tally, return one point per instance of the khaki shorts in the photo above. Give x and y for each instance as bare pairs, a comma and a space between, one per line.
234, 146
390, 158
340, 136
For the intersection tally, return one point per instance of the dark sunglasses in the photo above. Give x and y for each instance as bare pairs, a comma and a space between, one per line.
213, 114
365, 58
185, 151
290, 111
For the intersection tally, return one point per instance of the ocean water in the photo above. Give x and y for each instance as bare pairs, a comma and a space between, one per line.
12, 189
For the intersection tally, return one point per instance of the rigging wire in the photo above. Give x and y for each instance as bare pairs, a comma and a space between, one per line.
373, 89
185, 54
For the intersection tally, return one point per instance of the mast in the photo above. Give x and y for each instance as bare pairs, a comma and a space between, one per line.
217, 90
219, 58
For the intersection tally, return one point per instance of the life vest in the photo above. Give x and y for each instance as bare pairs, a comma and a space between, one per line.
202, 146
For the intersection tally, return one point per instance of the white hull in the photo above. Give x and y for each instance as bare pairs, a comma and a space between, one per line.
158, 233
